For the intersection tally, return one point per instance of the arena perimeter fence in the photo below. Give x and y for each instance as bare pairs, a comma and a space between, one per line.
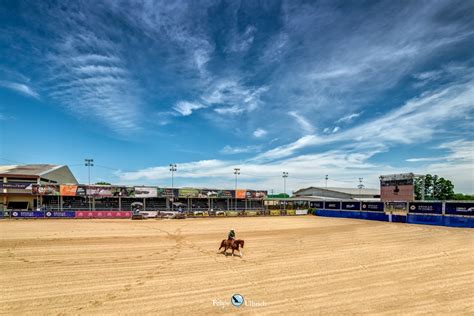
453, 214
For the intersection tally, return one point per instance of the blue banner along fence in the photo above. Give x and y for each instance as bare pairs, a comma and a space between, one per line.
351, 206
426, 207
459, 208
456, 214
27, 214
373, 206
332, 205
60, 214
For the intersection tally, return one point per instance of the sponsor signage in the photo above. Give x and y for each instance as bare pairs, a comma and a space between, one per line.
123, 191
166, 192
99, 190
316, 204
256, 194
103, 214
301, 212
60, 214
225, 193
352, 206
188, 193
16, 185
373, 206
68, 190
424, 207
45, 189
459, 208
207, 193
240, 194
146, 192
27, 214
332, 205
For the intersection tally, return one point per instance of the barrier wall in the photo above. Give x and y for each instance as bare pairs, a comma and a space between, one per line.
425, 219
60, 214
290, 212
301, 212
275, 212
103, 214
27, 214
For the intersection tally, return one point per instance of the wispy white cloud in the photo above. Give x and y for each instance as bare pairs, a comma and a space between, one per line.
423, 159
186, 108
20, 87
229, 150
348, 118
336, 129
259, 132
304, 124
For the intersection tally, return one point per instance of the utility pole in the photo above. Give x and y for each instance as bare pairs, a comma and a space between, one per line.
236, 172
173, 168
285, 175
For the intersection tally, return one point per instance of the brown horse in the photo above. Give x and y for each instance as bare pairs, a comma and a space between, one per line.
233, 244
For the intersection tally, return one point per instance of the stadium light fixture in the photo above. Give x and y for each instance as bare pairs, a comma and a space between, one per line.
173, 169
236, 172
89, 163
285, 175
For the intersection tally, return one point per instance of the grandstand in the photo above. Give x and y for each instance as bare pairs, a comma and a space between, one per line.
54, 188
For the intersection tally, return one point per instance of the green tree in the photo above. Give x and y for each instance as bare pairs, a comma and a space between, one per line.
435, 188
102, 183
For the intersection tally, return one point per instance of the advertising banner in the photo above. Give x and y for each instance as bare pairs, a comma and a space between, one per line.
68, 190
459, 208
27, 214
45, 189
275, 212
99, 190
225, 194
207, 193
316, 204
123, 192
290, 212
373, 206
188, 193
60, 214
351, 206
426, 207
166, 192
240, 194
103, 214
146, 192
301, 212
251, 194
81, 190
332, 205
16, 185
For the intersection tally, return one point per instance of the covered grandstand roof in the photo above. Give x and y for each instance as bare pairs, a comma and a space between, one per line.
44, 172
27, 170
351, 191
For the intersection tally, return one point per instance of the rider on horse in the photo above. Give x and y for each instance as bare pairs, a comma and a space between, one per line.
231, 235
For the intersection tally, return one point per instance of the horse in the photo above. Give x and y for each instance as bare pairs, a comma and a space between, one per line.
233, 244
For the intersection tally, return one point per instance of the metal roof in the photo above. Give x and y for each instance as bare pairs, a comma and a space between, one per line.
36, 170
351, 191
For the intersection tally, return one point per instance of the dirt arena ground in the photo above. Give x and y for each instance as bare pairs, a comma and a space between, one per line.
291, 265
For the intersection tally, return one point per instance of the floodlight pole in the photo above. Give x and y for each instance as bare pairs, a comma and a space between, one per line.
236, 172
89, 163
173, 168
360, 186
285, 175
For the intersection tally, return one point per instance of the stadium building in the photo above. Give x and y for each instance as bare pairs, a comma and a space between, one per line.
16, 183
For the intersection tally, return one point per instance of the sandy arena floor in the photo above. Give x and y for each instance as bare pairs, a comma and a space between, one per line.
291, 265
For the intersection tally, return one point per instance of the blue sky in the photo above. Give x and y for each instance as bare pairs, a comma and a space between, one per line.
309, 87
